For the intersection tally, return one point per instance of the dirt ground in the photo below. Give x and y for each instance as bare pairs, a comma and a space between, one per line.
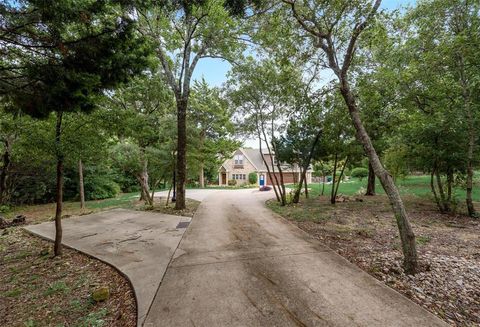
366, 234
39, 290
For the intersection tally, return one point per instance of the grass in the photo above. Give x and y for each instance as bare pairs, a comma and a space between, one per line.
45, 212
410, 185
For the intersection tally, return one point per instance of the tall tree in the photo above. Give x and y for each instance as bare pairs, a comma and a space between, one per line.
213, 128
335, 29
138, 110
445, 36
184, 33
61, 56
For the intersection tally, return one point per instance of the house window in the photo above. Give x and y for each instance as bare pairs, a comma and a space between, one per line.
238, 159
239, 176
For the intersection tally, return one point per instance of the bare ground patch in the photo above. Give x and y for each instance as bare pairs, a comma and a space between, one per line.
366, 234
160, 205
40, 290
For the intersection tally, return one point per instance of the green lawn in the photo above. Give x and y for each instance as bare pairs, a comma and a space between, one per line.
411, 185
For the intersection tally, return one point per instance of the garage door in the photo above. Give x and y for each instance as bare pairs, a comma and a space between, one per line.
288, 178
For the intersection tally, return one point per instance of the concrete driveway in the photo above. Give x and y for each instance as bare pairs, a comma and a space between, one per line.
238, 264
140, 244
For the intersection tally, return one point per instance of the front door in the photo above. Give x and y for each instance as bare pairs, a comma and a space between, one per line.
262, 180
224, 178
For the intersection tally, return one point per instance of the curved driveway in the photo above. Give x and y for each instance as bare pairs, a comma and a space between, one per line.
239, 264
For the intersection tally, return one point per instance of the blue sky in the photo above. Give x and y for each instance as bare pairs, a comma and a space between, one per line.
215, 70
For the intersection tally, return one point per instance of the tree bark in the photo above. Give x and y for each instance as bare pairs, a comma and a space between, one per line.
154, 186
4, 173
333, 200
449, 185
143, 180
306, 187
323, 182
182, 104
445, 204
407, 235
304, 168
80, 184
371, 181
201, 176
434, 191
340, 177
471, 148
57, 248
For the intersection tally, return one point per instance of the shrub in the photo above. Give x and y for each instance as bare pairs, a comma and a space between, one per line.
359, 172
252, 178
100, 187
232, 182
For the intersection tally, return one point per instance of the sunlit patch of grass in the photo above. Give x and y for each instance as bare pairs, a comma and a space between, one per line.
307, 211
56, 287
417, 185
13, 293
422, 240
93, 319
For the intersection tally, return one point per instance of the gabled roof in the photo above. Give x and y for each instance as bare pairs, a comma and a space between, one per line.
255, 158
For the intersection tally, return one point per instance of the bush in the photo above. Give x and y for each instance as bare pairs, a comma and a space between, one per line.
232, 182
252, 178
359, 172
100, 187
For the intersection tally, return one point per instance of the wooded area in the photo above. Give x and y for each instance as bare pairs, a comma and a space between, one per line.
98, 98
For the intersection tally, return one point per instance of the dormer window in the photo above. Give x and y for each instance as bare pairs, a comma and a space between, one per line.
238, 159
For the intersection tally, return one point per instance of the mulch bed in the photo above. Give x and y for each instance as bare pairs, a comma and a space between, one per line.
365, 233
38, 289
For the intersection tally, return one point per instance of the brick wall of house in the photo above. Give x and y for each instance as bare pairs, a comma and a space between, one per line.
246, 169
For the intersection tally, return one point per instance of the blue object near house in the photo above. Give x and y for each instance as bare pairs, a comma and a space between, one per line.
262, 180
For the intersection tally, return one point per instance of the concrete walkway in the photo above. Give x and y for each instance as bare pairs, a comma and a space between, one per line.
240, 265
140, 244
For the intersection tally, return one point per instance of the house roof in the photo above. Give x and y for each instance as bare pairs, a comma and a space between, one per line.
254, 156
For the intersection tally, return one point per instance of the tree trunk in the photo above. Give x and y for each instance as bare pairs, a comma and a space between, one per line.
449, 185
323, 182
4, 173
371, 181
298, 190
466, 94
80, 184
340, 177
143, 179
333, 200
304, 168
471, 148
57, 249
154, 186
445, 204
182, 104
434, 191
306, 187
201, 175
407, 236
